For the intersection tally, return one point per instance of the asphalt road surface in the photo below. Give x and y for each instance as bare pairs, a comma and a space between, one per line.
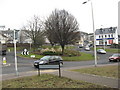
25, 65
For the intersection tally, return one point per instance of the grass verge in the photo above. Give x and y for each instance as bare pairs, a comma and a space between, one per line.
47, 81
83, 57
29, 56
109, 71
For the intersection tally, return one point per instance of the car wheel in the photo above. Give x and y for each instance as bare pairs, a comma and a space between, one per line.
109, 60
117, 60
36, 66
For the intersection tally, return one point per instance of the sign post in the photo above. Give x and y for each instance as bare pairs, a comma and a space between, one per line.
50, 66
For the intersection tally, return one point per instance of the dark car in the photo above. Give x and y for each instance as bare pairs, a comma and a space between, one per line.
114, 57
48, 60
101, 51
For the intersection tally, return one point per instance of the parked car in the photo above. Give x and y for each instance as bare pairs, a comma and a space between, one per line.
114, 57
101, 51
87, 48
80, 46
48, 60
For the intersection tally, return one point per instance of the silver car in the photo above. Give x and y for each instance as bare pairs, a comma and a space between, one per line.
87, 48
101, 51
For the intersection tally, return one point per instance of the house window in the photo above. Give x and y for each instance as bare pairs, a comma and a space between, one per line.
111, 35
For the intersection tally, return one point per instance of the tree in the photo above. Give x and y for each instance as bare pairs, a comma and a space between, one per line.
34, 30
62, 28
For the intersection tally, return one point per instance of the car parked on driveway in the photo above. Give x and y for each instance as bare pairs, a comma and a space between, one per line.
48, 60
101, 51
114, 57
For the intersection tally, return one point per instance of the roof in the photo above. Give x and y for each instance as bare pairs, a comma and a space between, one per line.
105, 30
3, 35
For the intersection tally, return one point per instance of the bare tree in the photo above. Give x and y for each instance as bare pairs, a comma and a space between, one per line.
61, 27
34, 31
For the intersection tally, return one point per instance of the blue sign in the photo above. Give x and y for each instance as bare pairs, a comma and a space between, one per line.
105, 38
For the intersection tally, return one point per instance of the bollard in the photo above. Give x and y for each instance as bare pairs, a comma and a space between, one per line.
4, 61
8, 50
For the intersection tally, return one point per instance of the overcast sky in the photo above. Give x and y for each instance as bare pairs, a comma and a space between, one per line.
15, 13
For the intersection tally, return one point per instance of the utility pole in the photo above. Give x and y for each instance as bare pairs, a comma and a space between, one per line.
16, 69
95, 55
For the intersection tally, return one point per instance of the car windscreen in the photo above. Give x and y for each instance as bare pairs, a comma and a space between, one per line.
115, 55
45, 58
101, 50
58, 58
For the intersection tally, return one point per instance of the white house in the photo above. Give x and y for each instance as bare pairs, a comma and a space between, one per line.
3, 38
106, 36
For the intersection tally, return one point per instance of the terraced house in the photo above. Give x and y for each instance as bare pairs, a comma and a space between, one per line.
106, 36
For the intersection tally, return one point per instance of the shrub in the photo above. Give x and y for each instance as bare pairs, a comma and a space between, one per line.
71, 53
51, 53
115, 45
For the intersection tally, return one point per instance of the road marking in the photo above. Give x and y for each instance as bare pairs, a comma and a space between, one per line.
5, 65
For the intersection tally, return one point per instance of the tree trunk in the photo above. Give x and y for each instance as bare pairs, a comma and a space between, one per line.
62, 46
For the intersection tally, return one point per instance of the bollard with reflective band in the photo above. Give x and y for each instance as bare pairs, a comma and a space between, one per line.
4, 61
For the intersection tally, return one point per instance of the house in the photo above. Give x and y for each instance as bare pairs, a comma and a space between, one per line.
3, 38
90, 38
106, 36
10, 34
84, 38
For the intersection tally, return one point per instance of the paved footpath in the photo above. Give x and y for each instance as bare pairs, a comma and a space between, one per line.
100, 80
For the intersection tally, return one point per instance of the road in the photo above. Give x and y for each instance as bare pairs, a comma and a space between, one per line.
25, 65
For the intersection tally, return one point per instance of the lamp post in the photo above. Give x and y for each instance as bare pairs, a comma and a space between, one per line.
16, 69
95, 55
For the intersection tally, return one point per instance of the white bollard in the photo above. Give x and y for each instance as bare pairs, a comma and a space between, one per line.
4, 61
8, 50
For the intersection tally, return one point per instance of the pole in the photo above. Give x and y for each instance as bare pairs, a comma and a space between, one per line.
30, 45
95, 55
104, 43
16, 69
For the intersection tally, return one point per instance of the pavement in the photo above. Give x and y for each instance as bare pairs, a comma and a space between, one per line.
100, 80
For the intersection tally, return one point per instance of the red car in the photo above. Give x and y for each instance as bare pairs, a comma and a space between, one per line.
114, 57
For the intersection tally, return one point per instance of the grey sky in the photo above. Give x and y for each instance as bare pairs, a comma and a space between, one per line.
15, 13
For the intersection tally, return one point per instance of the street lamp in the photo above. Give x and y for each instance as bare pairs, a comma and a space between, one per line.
16, 69
95, 55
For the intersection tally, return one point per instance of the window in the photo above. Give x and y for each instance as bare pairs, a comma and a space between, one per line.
111, 35
99, 36
102, 36
108, 35
105, 35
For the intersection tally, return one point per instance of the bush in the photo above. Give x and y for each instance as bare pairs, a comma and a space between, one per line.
115, 45
51, 53
71, 53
